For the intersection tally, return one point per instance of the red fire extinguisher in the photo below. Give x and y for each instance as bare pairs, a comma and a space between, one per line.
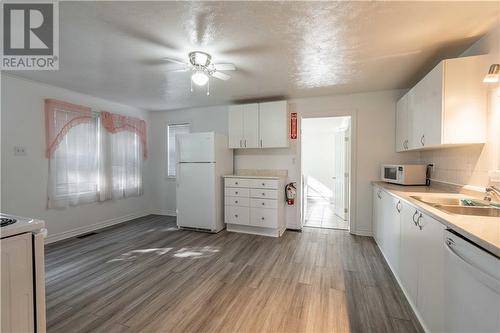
291, 193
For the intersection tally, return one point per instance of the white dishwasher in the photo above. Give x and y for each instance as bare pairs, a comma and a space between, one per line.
472, 294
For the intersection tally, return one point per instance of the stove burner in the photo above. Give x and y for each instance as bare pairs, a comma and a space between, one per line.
6, 221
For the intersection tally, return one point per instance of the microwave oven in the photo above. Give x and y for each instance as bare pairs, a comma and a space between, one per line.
404, 174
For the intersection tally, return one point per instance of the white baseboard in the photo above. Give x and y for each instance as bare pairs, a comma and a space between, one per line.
164, 212
92, 227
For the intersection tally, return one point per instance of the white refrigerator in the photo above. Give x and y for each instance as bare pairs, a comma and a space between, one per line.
202, 160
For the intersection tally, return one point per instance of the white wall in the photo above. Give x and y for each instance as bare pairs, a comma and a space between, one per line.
201, 120
24, 178
374, 117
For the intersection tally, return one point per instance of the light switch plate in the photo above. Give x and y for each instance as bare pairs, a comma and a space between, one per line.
19, 151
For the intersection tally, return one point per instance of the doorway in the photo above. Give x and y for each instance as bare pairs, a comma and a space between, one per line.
325, 151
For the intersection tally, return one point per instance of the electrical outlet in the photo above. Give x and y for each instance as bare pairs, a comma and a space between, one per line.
19, 151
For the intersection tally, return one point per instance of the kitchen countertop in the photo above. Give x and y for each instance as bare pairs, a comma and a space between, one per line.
252, 177
482, 230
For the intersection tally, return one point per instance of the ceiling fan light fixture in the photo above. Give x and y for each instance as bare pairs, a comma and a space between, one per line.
199, 58
493, 75
199, 78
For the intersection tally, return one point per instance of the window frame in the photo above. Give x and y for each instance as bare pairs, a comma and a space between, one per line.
167, 144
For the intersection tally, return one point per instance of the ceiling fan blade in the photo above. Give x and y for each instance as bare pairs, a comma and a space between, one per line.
174, 60
224, 67
179, 70
221, 76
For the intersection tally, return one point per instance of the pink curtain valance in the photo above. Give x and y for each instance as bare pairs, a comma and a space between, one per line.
114, 123
60, 117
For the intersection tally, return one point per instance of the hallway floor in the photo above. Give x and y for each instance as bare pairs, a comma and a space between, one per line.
320, 213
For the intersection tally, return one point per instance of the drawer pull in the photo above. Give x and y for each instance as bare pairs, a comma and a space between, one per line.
263, 204
263, 193
236, 192
235, 201
236, 215
236, 183
263, 184
262, 218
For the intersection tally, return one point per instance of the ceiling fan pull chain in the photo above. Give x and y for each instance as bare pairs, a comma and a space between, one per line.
191, 84
208, 88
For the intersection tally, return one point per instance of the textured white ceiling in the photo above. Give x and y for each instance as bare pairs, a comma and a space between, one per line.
294, 49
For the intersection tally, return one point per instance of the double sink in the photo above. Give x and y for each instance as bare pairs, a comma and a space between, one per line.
461, 206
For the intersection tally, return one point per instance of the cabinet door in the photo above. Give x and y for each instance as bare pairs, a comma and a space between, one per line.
377, 213
251, 125
17, 284
402, 124
432, 106
409, 252
431, 286
273, 124
235, 126
416, 116
392, 231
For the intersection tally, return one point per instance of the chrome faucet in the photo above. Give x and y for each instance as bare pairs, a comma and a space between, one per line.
489, 190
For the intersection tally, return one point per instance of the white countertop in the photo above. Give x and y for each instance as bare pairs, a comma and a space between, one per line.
253, 177
22, 225
482, 230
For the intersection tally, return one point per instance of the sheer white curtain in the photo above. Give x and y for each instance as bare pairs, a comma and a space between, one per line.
121, 165
73, 168
172, 131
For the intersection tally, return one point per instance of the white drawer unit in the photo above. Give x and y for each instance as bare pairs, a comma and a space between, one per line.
237, 201
237, 215
237, 182
264, 183
255, 205
264, 194
263, 203
237, 192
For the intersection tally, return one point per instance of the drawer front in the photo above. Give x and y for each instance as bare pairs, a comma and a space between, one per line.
262, 217
237, 201
264, 203
236, 182
236, 192
264, 183
264, 194
237, 215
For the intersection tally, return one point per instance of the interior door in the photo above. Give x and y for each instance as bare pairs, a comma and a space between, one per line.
235, 126
340, 174
251, 125
196, 202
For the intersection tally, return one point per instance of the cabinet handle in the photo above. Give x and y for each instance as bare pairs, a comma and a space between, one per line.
420, 226
236, 215
236, 183
235, 201
241, 145
236, 192
263, 193
263, 204
261, 142
413, 218
262, 218
398, 205
263, 184
245, 143
422, 140
379, 194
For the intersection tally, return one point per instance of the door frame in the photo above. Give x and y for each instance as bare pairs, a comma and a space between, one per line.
352, 164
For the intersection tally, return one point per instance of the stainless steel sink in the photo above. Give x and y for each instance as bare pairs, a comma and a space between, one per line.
431, 200
470, 210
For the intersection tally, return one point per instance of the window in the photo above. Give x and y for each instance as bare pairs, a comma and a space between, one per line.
74, 169
172, 132
126, 164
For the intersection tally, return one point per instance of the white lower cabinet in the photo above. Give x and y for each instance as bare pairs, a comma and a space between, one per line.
255, 205
412, 244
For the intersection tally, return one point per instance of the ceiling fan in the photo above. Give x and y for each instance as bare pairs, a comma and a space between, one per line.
202, 68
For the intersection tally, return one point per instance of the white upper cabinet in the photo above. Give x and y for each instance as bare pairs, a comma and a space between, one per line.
258, 125
243, 123
273, 124
447, 107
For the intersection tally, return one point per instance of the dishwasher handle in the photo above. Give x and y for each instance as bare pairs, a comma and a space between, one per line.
489, 280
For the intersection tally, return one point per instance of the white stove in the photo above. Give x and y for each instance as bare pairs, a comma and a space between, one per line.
22, 274
13, 225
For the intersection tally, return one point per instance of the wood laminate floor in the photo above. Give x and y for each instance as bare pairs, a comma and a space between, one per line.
147, 276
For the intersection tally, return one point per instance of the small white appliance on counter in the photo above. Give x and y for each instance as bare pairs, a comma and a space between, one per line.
23, 274
472, 297
404, 174
202, 160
